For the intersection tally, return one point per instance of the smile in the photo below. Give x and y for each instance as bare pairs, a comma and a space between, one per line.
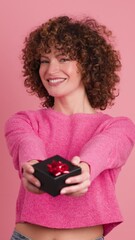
55, 81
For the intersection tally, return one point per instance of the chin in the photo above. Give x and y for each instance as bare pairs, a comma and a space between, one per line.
57, 95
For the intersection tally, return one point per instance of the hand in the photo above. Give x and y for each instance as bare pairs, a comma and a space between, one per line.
30, 183
82, 181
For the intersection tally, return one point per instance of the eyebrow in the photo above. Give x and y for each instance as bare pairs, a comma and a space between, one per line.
57, 55
43, 56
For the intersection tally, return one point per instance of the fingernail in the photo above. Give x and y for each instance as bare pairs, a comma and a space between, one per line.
31, 169
37, 184
68, 181
63, 191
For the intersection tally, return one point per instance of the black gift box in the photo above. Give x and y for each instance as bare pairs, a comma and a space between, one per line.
50, 183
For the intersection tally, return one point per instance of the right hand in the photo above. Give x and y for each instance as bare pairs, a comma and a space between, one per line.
31, 183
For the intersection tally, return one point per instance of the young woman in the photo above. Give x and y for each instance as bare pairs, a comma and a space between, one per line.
73, 67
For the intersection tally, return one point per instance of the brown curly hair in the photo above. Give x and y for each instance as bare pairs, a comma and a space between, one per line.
85, 41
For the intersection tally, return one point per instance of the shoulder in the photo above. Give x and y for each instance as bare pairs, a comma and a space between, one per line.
120, 125
24, 118
107, 120
27, 115
118, 121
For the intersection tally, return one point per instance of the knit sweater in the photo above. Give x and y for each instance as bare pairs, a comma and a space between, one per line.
104, 142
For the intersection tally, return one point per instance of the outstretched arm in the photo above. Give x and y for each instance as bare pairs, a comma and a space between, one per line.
108, 149
23, 141
111, 147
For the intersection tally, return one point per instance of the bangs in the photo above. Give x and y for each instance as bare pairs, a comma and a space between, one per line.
64, 38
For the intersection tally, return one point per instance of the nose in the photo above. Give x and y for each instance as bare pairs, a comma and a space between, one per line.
53, 67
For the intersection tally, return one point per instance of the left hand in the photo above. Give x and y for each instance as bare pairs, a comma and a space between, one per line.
82, 181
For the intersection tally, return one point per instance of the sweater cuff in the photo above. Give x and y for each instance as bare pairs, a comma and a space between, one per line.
34, 150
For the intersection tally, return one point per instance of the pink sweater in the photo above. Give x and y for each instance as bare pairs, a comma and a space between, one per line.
102, 141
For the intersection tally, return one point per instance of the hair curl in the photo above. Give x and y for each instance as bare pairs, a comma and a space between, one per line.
85, 41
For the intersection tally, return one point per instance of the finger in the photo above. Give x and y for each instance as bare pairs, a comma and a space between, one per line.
30, 187
27, 167
85, 167
33, 180
76, 160
34, 161
77, 194
78, 179
76, 188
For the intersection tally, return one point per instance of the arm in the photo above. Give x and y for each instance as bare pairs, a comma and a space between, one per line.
110, 147
22, 139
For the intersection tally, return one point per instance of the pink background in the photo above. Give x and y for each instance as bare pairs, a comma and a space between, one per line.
17, 19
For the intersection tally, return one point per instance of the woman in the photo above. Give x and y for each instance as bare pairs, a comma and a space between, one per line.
73, 67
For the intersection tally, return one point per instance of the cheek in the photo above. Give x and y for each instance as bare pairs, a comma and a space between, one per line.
42, 71
72, 70
74, 73
41, 75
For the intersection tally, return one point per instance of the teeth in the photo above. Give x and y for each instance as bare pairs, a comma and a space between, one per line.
56, 80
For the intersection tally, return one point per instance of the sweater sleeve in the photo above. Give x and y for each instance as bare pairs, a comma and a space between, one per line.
110, 147
24, 144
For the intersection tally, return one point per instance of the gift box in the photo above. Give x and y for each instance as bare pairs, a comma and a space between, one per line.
53, 172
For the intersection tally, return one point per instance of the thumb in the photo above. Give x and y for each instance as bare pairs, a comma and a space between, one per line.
76, 160
27, 166
32, 162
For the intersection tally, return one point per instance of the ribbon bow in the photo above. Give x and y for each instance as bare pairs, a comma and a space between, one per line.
57, 168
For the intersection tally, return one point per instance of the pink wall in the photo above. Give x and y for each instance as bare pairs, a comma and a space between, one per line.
17, 19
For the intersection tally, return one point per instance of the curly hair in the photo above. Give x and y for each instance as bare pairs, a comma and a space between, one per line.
87, 42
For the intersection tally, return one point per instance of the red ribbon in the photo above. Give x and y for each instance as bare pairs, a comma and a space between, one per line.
57, 168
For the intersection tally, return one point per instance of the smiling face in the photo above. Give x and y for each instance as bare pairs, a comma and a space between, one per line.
59, 74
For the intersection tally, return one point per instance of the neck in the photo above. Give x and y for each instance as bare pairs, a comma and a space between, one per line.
73, 105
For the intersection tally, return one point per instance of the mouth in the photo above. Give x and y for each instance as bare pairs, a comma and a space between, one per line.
55, 81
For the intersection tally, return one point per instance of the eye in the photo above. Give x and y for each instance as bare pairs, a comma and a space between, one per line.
44, 61
64, 59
